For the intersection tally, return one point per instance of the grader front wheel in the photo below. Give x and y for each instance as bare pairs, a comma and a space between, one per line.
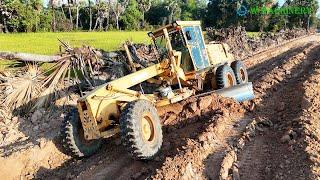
140, 129
73, 137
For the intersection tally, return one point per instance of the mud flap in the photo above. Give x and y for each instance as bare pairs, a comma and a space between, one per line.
241, 93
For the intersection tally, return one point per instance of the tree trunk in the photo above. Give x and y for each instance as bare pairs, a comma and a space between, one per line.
70, 16
64, 15
90, 17
117, 22
170, 18
96, 24
107, 26
108, 17
5, 25
77, 20
143, 22
53, 19
28, 57
100, 24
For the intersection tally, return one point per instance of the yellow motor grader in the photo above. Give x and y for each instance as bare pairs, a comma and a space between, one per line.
187, 67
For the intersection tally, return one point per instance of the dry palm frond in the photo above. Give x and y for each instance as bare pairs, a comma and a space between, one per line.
78, 62
5, 113
23, 89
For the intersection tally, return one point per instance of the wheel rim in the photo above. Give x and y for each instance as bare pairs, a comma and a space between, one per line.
230, 80
243, 74
82, 138
147, 128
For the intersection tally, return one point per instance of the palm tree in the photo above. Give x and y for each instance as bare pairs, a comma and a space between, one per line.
118, 9
144, 6
173, 8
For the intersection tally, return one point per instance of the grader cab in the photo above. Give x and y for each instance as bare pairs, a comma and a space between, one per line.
187, 67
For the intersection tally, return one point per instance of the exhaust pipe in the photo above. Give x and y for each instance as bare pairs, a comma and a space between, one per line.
241, 93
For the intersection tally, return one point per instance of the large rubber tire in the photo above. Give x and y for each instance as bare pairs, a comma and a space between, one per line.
225, 77
135, 120
240, 72
73, 137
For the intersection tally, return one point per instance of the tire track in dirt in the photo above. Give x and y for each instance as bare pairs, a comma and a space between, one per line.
281, 101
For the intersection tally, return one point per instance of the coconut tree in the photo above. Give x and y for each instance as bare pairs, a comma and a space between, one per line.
144, 7
118, 9
174, 9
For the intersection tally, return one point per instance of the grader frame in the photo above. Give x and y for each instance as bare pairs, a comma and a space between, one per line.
99, 111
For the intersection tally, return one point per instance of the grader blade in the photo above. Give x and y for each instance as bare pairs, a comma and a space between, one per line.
241, 93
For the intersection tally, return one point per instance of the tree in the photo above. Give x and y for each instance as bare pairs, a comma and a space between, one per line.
69, 5
193, 10
132, 16
53, 6
118, 8
304, 20
221, 13
174, 9
76, 3
144, 7
90, 15
277, 21
158, 14
102, 14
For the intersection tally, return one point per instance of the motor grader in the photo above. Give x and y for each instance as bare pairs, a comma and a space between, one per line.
187, 67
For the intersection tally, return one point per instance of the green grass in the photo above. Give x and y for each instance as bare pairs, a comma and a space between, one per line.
253, 34
48, 44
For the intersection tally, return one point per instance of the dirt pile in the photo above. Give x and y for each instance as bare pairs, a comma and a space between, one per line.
243, 46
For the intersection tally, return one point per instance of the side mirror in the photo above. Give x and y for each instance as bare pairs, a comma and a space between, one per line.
150, 34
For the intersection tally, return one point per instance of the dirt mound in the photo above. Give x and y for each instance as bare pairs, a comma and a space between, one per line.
243, 46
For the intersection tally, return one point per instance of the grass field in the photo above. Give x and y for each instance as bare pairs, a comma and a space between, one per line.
253, 34
47, 43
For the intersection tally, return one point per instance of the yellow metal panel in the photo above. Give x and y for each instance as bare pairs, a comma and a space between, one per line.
170, 27
218, 53
188, 23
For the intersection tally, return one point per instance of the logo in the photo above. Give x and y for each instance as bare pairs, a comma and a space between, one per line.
242, 10
264, 10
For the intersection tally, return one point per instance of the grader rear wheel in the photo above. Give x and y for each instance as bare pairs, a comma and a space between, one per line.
225, 77
240, 71
140, 129
73, 137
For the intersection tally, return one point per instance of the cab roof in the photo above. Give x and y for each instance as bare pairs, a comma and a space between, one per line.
172, 26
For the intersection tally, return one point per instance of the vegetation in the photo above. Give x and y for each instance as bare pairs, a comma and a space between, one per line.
47, 43
106, 15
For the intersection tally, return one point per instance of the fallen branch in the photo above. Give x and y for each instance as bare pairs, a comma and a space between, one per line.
28, 57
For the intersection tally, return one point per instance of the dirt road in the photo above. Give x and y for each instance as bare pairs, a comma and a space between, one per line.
278, 152
198, 133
